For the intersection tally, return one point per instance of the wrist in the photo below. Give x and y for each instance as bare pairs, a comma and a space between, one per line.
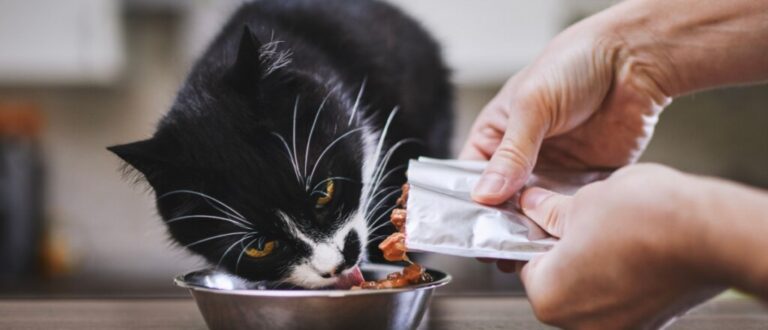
687, 45
729, 243
685, 235
641, 57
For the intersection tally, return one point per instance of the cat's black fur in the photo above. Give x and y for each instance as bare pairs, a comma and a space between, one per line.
230, 134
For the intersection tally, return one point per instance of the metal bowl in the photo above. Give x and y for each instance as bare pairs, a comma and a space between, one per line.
229, 302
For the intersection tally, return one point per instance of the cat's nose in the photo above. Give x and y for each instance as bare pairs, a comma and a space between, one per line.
330, 274
334, 271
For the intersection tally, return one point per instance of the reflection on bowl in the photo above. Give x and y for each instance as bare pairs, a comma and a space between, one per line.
229, 302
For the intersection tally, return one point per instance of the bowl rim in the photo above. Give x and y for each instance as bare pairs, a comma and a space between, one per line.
181, 282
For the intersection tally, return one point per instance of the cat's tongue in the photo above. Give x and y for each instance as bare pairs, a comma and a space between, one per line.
353, 278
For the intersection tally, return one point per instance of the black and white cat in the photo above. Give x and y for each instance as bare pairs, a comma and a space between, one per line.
286, 145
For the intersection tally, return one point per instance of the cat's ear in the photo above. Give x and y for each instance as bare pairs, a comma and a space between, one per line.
247, 66
146, 156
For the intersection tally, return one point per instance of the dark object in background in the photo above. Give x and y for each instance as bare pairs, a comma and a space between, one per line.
21, 190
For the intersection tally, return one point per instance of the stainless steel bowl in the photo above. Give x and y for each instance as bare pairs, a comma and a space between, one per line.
228, 302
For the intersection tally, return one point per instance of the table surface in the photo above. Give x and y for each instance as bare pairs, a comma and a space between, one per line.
447, 312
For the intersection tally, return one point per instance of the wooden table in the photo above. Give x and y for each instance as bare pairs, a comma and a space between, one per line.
447, 312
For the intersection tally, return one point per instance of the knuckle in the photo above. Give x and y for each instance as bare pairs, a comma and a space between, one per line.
509, 152
554, 219
546, 105
490, 135
532, 93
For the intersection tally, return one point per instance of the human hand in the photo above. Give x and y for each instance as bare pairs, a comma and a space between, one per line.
585, 103
592, 98
632, 253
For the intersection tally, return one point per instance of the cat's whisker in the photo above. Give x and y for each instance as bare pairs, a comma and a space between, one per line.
375, 238
357, 101
380, 145
312, 129
385, 161
378, 189
341, 210
225, 212
384, 199
317, 162
380, 177
384, 131
383, 213
209, 217
184, 191
398, 168
381, 220
381, 217
389, 190
280, 283
284, 282
391, 151
319, 192
260, 244
381, 191
290, 156
245, 237
374, 229
214, 237
293, 140
393, 170
333, 178
242, 252
390, 172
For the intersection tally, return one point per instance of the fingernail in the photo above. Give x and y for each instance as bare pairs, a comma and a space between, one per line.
490, 184
533, 197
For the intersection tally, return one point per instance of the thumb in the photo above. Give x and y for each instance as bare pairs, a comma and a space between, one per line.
546, 208
512, 161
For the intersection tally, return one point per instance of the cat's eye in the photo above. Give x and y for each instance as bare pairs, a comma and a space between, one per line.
327, 195
261, 252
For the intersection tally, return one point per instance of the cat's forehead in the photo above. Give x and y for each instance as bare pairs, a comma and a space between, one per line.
272, 154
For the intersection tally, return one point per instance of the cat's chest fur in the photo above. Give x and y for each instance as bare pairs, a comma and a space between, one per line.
287, 143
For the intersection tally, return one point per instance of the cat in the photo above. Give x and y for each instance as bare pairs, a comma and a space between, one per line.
286, 145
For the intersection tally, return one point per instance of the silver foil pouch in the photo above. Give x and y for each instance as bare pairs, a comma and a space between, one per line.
442, 218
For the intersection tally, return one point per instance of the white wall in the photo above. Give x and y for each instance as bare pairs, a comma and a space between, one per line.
60, 42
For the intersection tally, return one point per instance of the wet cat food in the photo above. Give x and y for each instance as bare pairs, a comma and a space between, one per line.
394, 249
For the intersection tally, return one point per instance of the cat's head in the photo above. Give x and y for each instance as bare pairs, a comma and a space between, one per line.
259, 169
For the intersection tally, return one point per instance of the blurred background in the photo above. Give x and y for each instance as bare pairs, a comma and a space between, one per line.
79, 75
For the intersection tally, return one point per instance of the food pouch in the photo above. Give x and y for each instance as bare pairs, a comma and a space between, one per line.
442, 218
